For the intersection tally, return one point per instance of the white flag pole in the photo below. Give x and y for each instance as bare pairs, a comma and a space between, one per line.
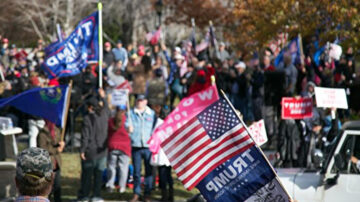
100, 45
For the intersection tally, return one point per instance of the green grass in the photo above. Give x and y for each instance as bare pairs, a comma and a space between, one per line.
71, 170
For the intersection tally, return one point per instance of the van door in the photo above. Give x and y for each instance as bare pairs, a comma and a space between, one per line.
347, 185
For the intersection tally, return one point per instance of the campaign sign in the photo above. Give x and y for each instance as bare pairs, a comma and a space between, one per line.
331, 97
258, 132
119, 97
296, 108
245, 177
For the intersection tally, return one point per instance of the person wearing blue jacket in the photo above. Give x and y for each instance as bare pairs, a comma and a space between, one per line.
140, 125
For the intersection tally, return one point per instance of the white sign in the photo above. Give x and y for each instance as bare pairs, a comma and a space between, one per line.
331, 97
258, 132
119, 97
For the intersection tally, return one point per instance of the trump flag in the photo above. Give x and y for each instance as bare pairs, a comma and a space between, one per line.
293, 49
215, 153
70, 56
47, 103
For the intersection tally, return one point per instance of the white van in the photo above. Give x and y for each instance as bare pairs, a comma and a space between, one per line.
337, 179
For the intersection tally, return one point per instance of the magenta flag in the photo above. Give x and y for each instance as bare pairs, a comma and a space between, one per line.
187, 109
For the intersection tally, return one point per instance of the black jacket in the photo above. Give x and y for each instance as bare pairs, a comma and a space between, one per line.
94, 133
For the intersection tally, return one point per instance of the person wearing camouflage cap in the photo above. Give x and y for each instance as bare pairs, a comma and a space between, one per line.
34, 175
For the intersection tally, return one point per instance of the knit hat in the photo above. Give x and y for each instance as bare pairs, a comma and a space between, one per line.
34, 162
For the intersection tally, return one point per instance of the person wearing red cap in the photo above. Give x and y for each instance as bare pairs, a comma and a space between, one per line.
5, 46
109, 57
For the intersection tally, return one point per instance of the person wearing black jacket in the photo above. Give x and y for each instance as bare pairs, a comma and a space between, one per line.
93, 148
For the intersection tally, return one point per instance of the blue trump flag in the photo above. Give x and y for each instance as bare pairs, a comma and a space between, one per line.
48, 103
245, 177
70, 56
293, 49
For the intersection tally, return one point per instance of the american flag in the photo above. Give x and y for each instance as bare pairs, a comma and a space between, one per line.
206, 141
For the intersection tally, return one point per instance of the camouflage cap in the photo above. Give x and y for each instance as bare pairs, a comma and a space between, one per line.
35, 162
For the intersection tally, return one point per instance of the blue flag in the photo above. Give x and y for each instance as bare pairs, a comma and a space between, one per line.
317, 55
48, 103
70, 56
293, 49
245, 177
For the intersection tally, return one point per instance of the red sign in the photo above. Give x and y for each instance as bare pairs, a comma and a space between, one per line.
296, 108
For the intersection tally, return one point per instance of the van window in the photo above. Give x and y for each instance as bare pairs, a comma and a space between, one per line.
350, 148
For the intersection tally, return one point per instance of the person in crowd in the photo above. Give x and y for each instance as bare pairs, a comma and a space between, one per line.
188, 78
309, 90
141, 123
290, 75
109, 57
156, 89
202, 76
88, 82
119, 146
120, 53
222, 54
238, 88
267, 66
34, 175
93, 148
174, 76
257, 95
311, 130
166, 182
159, 64
140, 74
115, 74
49, 138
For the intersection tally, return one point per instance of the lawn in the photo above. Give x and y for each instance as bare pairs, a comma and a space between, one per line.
71, 183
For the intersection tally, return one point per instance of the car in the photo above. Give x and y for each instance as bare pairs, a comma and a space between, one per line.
336, 177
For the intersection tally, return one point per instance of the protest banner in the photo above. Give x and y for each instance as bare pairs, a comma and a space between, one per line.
258, 132
70, 56
331, 97
296, 108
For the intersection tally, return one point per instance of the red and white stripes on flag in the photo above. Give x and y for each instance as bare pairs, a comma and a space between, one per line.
194, 151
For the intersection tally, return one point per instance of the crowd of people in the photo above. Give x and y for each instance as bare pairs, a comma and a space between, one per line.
113, 137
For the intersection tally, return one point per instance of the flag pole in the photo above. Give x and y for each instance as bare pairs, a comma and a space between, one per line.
301, 49
66, 110
58, 31
128, 109
100, 45
251, 136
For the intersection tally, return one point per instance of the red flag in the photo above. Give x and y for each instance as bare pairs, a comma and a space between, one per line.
153, 37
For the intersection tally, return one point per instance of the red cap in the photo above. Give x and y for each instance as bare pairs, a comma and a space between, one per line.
107, 44
53, 82
5, 40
